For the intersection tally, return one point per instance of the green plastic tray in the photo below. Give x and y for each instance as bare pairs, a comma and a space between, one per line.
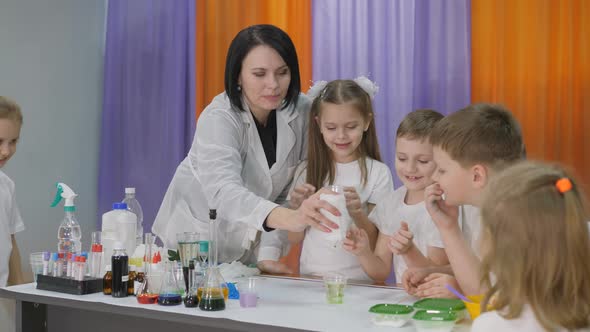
440, 305
391, 309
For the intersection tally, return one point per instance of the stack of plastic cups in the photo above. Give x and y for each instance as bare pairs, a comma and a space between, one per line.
36, 260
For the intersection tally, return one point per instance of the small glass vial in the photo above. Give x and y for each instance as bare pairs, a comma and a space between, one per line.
131, 282
107, 281
139, 278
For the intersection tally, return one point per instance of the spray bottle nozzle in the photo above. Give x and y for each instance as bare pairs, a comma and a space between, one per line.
64, 191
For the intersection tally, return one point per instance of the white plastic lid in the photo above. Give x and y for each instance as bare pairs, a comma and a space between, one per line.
130, 190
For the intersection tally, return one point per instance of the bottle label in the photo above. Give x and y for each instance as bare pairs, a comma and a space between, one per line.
125, 278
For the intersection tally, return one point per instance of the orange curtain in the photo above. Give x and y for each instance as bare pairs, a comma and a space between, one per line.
534, 57
218, 21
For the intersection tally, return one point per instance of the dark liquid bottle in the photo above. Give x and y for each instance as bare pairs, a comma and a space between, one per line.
107, 282
120, 266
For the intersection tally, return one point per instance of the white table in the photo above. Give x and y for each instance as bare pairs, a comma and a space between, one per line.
285, 304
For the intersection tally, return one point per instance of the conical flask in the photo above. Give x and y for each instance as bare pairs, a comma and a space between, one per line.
194, 279
170, 292
214, 290
145, 294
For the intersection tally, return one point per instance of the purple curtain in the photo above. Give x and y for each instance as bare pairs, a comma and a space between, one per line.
418, 52
148, 118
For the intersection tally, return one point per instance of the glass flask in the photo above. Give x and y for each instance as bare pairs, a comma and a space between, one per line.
213, 289
170, 292
145, 292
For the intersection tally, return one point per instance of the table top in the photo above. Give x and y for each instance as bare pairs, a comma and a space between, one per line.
288, 303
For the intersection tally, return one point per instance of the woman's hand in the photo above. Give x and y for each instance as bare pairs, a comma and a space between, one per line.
299, 194
274, 267
308, 214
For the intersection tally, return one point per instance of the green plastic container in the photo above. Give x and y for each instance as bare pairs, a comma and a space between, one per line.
428, 321
395, 315
442, 305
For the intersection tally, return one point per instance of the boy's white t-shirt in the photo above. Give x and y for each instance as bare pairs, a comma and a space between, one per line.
527, 322
318, 255
10, 223
388, 214
470, 224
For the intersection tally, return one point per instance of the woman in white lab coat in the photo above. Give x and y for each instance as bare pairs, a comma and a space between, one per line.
247, 144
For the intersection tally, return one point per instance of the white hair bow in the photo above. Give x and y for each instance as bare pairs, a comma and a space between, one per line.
366, 84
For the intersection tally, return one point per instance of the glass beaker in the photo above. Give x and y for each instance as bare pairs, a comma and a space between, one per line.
146, 293
170, 292
214, 291
188, 249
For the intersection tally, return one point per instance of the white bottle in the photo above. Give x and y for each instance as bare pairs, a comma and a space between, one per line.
134, 206
118, 225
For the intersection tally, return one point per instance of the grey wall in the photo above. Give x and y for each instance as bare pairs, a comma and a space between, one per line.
51, 64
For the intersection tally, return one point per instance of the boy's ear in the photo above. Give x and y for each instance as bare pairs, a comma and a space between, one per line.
480, 176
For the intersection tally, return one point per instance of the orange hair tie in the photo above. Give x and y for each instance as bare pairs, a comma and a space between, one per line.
563, 185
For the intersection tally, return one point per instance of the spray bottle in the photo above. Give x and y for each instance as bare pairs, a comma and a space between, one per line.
68, 234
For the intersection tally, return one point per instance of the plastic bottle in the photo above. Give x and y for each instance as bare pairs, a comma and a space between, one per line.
118, 225
69, 233
134, 207
120, 266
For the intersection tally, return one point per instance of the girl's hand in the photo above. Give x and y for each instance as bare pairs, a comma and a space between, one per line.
413, 277
299, 194
435, 286
353, 202
444, 216
401, 241
357, 242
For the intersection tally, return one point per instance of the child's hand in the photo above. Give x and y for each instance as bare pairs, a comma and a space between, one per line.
353, 202
357, 242
435, 286
299, 194
413, 277
444, 215
401, 241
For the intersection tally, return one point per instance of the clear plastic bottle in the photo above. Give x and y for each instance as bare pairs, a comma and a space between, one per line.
69, 233
134, 206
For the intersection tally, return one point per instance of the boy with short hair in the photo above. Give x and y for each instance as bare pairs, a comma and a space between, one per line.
10, 220
469, 146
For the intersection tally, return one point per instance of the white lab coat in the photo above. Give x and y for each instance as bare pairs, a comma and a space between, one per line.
226, 169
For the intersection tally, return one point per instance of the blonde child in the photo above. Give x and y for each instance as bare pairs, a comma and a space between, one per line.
469, 146
535, 247
343, 150
405, 228
10, 220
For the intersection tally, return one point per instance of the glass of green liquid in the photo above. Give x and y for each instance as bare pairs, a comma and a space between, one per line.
335, 284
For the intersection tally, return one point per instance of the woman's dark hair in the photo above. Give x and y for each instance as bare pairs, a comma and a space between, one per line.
243, 43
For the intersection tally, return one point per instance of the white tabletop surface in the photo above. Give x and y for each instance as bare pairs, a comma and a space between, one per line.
285, 302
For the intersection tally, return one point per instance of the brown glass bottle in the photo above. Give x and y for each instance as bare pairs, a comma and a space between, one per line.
107, 282
130, 283
139, 278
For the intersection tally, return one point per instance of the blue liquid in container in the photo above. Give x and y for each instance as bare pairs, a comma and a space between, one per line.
169, 299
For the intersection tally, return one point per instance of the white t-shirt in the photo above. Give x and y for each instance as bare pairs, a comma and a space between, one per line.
318, 254
470, 224
10, 223
392, 210
527, 322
